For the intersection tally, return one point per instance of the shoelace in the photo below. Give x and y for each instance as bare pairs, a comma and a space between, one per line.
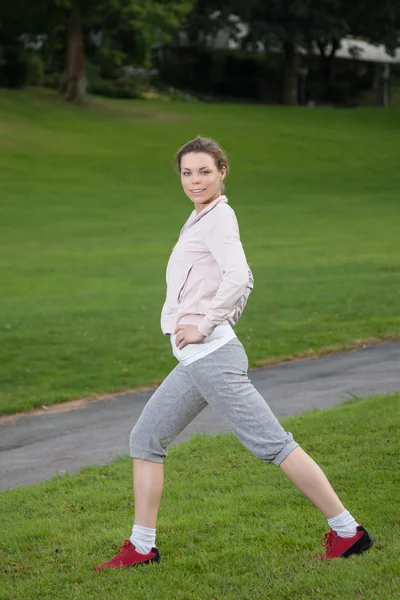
123, 549
328, 541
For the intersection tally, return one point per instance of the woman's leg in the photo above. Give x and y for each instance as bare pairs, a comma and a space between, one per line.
223, 381
148, 481
221, 378
174, 404
309, 478
346, 536
170, 409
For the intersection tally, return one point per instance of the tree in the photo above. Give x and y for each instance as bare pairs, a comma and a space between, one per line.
375, 23
280, 25
14, 21
208, 17
152, 21
287, 25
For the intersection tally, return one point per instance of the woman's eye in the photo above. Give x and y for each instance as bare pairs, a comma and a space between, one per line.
202, 173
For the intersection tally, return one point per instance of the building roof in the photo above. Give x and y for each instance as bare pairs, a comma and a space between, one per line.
350, 48
361, 50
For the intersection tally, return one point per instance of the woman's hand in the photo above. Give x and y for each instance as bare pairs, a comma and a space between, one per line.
187, 334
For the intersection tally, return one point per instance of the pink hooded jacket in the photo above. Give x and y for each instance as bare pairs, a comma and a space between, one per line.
208, 278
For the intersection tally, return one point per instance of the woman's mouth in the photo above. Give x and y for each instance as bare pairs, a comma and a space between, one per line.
197, 191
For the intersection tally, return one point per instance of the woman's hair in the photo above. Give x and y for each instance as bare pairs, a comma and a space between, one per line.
207, 145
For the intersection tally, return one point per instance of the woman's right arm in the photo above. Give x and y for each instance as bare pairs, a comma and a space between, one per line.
223, 241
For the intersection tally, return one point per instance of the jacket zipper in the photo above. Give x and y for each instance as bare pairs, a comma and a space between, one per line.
181, 291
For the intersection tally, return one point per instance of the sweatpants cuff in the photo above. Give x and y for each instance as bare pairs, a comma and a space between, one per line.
284, 452
144, 455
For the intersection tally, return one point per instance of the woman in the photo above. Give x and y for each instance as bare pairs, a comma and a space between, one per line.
208, 283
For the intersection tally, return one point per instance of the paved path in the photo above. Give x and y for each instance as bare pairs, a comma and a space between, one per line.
36, 447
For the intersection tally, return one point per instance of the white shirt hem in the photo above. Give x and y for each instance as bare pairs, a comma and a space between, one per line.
221, 335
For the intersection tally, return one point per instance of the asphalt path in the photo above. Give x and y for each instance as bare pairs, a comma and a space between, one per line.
36, 447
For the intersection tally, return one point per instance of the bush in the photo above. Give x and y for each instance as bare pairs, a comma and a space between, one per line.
14, 67
35, 72
161, 91
119, 88
182, 96
339, 92
221, 72
93, 71
52, 80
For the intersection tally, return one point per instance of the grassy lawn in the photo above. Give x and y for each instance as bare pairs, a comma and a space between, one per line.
230, 527
90, 210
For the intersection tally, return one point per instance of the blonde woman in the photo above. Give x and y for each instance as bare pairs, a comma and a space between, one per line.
208, 284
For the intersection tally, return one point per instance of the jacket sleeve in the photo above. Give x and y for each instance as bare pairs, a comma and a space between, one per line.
223, 240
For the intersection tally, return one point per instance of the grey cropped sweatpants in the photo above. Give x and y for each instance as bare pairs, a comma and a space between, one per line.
219, 379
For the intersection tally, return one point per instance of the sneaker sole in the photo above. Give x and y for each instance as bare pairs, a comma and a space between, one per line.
145, 562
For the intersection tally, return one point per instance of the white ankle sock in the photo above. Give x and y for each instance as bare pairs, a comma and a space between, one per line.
344, 524
143, 538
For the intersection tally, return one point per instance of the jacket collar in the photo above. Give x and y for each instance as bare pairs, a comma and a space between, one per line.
194, 217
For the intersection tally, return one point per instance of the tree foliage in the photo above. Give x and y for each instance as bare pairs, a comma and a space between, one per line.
133, 27
149, 21
286, 25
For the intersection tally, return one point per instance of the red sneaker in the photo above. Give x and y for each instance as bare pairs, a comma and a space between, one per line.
128, 557
339, 547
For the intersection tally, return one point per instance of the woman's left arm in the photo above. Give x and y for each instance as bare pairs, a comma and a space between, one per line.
223, 241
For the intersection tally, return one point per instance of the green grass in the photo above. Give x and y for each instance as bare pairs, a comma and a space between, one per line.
230, 527
90, 209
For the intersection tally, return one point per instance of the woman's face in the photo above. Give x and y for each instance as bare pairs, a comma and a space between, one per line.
201, 180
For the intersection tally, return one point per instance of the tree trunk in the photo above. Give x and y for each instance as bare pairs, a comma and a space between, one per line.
75, 81
290, 85
326, 65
